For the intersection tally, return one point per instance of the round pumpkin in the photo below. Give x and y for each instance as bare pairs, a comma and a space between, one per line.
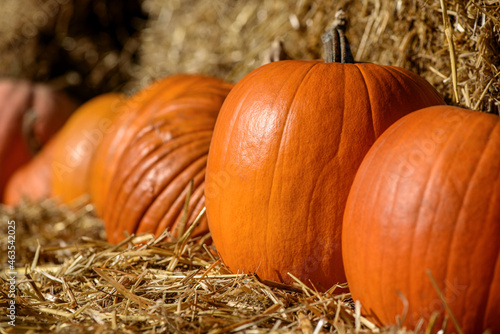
427, 199
76, 143
29, 115
151, 155
32, 180
288, 141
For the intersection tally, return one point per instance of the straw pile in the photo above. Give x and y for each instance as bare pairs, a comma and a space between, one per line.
71, 284
229, 38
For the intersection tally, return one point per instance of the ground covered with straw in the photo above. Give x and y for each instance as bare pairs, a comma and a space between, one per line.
70, 280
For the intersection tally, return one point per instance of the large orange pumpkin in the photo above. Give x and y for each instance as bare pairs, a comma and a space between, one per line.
38, 109
146, 162
427, 198
76, 143
288, 141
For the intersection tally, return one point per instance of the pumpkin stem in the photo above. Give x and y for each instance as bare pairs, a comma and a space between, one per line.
337, 49
28, 131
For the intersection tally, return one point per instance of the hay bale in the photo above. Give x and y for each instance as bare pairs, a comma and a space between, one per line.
228, 38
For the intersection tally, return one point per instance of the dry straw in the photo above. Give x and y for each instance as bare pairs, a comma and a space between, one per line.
225, 38
71, 284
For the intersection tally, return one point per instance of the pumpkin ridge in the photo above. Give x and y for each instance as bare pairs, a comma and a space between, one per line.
418, 81
196, 149
465, 231
134, 176
243, 95
485, 306
139, 161
203, 225
278, 151
197, 166
119, 197
336, 156
452, 238
438, 156
173, 211
415, 85
196, 198
168, 112
136, 108
383, 259
461, 211
372, 116
431, 176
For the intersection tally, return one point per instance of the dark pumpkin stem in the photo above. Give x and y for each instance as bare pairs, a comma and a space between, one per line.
337, 49
28, 131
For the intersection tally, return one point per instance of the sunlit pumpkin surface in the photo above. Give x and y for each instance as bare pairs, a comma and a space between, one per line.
286, 146
427, 197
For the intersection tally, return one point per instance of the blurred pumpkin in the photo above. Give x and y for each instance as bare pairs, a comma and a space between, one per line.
33, 179
29, 115
288, 141
76, 144
145, 163
427, 198
62, 167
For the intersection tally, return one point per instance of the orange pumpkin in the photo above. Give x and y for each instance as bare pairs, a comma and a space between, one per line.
32, 180
37, 108
146, 162
76, 143
61, 169
288, 141
427, 197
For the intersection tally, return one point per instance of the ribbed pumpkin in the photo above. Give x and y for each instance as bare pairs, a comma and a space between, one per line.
288, 141
38, 109
427, 198
76, 143
148, 159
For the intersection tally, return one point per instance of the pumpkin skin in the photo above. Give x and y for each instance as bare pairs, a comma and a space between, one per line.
427, 197
286, 146
133, 115
17, 97
154, 152
32, 180
76, 143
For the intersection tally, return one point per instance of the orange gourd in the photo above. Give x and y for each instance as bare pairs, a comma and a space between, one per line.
61, 168
32, 180
288, 141
146, 162
427, 198
76, 143
38, 109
